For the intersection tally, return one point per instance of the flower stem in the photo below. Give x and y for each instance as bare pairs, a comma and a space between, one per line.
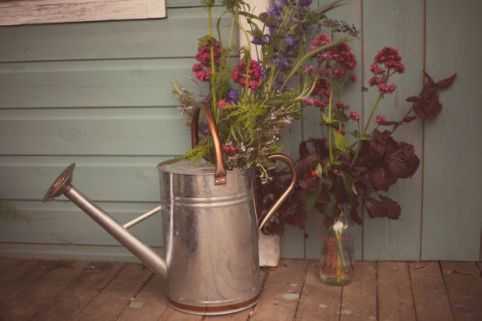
212, 78
330, 128
340, 255
372, 113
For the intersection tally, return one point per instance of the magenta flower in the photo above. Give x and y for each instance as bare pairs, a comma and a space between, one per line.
248, 75
200, 72
355, 116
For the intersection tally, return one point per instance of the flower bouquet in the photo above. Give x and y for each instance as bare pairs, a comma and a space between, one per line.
255, 91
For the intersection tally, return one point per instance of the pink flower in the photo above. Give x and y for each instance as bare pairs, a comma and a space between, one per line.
390, 58
355, 116
230, 149
314, 102
381, 120
387, 54
338, 62
385, 88
376, 69
319, 41
222, 104
204, 51
200, 72
375, 80
248, 75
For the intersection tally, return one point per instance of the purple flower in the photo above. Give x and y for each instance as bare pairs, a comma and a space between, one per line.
232, 96
290, 41
281, 62
304, 3
276, 8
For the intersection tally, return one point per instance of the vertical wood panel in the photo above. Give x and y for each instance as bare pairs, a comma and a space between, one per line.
292, 239
397, 24
453, 145
351, 13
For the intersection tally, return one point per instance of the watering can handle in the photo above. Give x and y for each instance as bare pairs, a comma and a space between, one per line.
220, 174
285, 159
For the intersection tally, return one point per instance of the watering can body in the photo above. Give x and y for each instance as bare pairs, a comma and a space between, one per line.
211, 238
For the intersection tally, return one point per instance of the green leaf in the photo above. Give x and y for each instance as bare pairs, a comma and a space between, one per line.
327, 120
340, 141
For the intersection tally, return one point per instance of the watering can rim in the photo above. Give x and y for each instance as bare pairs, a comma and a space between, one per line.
199, 168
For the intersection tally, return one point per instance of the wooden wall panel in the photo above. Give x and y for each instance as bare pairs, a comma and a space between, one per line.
93, 132
100, 83
63, 223
397, 24
108, 179
100, 94
110, 40
453, 145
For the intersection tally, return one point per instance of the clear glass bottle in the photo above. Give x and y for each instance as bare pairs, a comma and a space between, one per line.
336, 257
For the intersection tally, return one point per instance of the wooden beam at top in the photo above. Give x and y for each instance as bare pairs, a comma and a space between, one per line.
20, 12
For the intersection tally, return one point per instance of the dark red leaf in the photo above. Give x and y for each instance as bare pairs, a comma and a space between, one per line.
428, 108
388, 123
392, 208
447, 82
409, 119
385, 207
381, 179
403, 163
413, 99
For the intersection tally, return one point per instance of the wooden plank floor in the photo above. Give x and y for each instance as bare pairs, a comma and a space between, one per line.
34, 290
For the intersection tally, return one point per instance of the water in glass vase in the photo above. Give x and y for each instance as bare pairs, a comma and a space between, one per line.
336, 257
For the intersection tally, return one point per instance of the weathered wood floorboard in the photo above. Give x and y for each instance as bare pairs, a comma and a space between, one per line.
281, 293
34, 290
431, 300
11, 269
318, 302
115, 297
464, 287
40, 296
395, 300
359, 297
93, 279
149, 304
19, 278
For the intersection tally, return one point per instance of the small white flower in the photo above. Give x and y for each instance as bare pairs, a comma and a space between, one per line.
339, 226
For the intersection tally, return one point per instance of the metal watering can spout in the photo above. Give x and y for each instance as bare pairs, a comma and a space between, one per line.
63, 185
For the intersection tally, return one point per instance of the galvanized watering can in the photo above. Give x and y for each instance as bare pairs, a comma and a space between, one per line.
210, 228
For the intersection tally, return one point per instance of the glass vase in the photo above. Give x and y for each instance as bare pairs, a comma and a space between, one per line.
336, 258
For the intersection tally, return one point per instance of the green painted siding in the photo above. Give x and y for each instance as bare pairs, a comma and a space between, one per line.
99, 94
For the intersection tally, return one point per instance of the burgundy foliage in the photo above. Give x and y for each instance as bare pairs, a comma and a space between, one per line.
358, 180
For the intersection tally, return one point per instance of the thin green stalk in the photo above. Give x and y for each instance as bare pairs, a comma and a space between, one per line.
339, 245
330, 128
372, 113
212, 78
